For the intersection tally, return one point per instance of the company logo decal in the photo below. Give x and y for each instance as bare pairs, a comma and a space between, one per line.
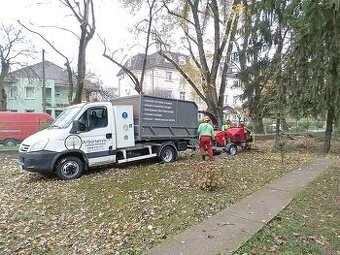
73, 142
124, 115
95, 144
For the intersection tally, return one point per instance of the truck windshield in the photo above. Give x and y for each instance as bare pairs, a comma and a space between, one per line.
66, 117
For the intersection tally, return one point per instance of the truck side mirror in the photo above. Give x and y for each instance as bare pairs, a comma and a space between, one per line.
77, 127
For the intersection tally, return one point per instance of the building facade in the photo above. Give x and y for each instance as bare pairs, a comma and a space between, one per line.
24, 92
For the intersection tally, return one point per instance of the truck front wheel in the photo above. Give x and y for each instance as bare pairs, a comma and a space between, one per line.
69, 168
168, 154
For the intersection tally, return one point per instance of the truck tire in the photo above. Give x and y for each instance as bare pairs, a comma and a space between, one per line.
168, 154
10, 142
69, 168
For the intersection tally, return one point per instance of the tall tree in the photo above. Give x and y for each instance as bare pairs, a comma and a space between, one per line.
13, 47
209, 28
84, 13
253, 47
278, 11
262, 33
315, 61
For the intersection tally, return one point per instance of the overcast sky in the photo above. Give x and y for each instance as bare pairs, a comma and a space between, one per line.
112, 22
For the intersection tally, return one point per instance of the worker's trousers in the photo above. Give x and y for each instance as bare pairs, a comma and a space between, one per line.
205, 143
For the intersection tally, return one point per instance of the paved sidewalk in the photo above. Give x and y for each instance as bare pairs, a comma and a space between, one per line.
226, 231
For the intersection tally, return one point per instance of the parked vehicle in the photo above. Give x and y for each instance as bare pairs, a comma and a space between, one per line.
124, 130
17, 126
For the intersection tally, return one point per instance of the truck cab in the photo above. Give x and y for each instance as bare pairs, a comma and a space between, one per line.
82, 136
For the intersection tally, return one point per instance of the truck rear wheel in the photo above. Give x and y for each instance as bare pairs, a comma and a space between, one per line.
69, 168
168, 154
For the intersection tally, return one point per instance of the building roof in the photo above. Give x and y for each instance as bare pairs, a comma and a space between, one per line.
153, 60
52, 72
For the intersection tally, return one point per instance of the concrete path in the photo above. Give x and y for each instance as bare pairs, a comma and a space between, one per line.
226, 231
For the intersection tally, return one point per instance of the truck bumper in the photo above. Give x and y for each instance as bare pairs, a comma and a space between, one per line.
39, 161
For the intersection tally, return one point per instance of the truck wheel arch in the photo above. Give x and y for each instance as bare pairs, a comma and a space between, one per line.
72, 153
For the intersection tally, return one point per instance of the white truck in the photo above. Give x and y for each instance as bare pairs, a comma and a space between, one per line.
124, 130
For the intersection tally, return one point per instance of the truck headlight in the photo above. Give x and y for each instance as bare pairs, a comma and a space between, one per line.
40, 145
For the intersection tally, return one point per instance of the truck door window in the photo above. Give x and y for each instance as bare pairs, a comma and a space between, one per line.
94, 118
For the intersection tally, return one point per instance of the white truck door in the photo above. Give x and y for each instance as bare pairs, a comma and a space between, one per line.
97, 141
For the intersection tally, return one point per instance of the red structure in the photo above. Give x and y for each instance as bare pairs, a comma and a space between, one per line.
233, 137
16, 126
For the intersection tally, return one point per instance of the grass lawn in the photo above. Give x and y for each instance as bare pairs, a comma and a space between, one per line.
126, 209
309, 225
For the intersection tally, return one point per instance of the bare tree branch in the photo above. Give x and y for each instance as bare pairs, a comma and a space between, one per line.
131, 75
44, 38
62, 28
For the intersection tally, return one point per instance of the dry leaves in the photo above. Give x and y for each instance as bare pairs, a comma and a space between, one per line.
128, 209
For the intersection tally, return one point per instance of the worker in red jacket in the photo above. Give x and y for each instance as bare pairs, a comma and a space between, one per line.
206, 134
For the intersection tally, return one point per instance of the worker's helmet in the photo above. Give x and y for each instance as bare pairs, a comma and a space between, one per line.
206, 118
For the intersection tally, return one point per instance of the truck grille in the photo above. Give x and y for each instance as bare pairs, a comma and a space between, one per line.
24, 148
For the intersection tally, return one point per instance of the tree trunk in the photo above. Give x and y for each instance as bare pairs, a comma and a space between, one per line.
257, 124
81, 65
3, 74
329, 130
256, 118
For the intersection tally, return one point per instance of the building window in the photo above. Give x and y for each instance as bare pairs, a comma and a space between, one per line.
198, 99
57, 112
235, 98
236, 85
232, 70
48, 93
182, 95
167, 93
234, 57
13, 93
182, 60
168, 76
29, 92
225, 101
127, 91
